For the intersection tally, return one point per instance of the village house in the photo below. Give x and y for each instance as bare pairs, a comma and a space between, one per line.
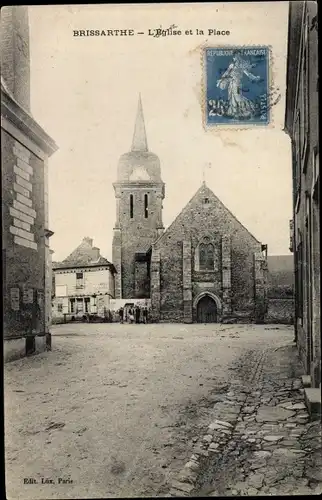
25, 150
205, 267
302, 125
83, 284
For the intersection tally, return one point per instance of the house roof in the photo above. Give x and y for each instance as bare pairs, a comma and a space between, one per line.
85, 255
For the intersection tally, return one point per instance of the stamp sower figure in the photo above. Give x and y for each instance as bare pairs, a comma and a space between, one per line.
239, 106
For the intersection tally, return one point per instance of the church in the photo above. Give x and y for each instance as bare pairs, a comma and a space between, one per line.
205, 267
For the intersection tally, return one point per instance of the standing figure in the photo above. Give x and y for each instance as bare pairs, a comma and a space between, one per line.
131, 315
238, 105
137, 314
121, 315
145, 315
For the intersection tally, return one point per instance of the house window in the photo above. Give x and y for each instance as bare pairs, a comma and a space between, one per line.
206, 257
206, 201
146, 206
131, 206
60, 308
79, 280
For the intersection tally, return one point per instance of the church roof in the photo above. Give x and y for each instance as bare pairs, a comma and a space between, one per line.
139, 163
139, 142
83, 255
203, 192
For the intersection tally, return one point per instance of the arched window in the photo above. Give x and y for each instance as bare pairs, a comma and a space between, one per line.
206, 257
146, 212
131, 206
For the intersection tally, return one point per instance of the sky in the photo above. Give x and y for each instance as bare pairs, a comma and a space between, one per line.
84, 93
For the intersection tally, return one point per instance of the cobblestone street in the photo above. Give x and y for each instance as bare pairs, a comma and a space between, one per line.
260, 441
155, 410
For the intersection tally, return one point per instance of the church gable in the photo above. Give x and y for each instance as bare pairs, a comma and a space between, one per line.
206, 250
205, 215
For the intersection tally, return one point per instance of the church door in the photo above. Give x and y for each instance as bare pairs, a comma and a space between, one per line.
206, 310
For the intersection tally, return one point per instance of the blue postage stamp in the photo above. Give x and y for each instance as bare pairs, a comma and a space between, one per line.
237, 85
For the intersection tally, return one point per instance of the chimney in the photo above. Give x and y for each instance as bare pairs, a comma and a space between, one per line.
88, 241
15, 53
95, 253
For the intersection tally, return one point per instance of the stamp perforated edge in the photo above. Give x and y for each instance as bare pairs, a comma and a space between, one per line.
233, 126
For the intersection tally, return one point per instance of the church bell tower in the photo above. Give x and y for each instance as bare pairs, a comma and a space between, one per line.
139, 191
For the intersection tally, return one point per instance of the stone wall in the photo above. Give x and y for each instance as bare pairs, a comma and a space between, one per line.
25, 242
15, 65
134, 234
171, 280
186, 281
280, 311
155, 285
25, 150
117, 261
302, 124
236, 254
24, 238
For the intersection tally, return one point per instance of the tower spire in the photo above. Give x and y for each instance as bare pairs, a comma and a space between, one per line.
139, 142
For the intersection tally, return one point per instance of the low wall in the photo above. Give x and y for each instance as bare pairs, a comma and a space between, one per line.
280, 310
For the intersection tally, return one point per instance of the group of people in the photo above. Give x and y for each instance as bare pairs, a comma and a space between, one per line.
134, 314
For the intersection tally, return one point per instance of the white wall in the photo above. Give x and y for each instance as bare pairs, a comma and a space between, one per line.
98, 281
115, 304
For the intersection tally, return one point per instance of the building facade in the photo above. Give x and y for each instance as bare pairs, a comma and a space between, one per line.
25, 234
84, 284
206, 267
302, 125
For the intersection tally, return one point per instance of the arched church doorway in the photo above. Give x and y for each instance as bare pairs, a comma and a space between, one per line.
207, 310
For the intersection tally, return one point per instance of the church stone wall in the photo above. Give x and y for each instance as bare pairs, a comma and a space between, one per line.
134, 235
233, 281
171, 280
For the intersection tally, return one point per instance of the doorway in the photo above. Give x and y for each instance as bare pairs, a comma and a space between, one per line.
207, 310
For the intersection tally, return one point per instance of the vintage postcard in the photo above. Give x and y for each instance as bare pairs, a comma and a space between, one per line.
161, 250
